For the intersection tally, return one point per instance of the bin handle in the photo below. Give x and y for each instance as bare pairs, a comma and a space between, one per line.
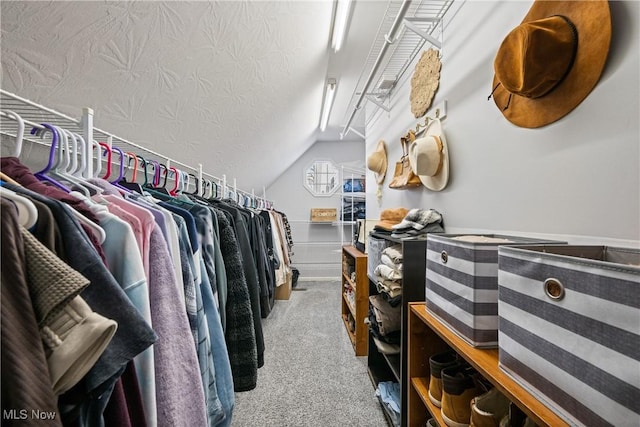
554, 289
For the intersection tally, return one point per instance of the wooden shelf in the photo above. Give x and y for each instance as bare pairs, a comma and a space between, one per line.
349, 281
420, 386
352, 336
427, 336
351, 309
359, 311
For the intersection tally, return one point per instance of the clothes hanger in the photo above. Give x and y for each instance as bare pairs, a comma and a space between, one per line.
99, 231
82, 171
64, 159
154, 177
156, 189
62, 170
121, 165
197, 184
133, 185
6, 178
19, 134
42, 175
107, 151
98, 166
134, 174
86, 156
176, 175
162, 188
69, 144
27, 211
116, 182
144, 164
208, 190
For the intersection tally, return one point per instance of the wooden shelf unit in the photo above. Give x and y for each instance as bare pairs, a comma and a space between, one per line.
414, 269
428, 336
358, 337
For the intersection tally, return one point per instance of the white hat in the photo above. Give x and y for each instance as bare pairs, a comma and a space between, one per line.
429, 157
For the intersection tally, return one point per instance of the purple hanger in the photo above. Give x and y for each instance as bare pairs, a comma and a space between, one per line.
42, 174
116, 182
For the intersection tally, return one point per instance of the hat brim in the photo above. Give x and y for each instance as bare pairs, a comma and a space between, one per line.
439, 181
380, 176
593, 23
386, 225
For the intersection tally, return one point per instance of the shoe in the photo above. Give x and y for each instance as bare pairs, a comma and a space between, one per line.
488, 409
458, 388
516, 418
437, 363
431, 422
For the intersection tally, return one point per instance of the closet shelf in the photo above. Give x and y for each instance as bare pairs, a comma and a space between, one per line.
34, 114
402, 34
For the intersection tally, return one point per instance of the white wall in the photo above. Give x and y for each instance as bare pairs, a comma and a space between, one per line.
316, 246
576, 179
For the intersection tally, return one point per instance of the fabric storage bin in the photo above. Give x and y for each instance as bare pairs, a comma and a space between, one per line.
570, 329
375, 246
462, 283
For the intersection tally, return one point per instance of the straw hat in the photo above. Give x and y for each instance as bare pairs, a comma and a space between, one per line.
377, 162
550, 62
424, 82
429, 157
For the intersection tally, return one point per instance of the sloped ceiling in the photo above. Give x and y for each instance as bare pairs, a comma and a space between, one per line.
234, 85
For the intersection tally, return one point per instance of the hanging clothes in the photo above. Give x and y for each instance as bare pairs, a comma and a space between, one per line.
240, 333
25, 374
175, 290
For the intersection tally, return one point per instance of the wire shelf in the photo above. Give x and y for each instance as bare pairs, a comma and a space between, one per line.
426, 16
34, 115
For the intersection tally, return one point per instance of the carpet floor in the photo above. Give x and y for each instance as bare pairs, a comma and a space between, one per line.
311, 376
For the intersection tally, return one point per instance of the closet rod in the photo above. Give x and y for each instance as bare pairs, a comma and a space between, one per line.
26, 122
389, 40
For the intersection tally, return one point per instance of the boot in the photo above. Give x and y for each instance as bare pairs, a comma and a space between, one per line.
458, 388
437, 363
488, 409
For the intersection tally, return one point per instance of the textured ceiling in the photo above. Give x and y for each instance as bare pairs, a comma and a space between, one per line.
234, 85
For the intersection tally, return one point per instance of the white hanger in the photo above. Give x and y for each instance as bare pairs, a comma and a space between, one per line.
98, 166
27, 211
69, 158
75, 174
99, 231
19, 134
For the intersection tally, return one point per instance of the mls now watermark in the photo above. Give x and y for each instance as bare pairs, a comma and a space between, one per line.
26, 414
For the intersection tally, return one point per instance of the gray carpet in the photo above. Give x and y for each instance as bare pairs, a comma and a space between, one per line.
311, 376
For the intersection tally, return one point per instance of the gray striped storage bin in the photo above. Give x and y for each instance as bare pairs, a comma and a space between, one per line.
462, 285
570, 329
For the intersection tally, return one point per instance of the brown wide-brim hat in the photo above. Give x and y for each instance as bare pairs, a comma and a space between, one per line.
377, 162
391, 217
548, 65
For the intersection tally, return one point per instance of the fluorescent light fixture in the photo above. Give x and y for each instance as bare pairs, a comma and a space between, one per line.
340, 23
329, 95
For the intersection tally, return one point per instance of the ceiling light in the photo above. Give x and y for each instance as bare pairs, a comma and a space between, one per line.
340, 23
329, 95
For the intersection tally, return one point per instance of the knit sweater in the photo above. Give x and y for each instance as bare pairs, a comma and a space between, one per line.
240, 332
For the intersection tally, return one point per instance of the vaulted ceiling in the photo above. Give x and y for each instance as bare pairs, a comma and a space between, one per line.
234, 85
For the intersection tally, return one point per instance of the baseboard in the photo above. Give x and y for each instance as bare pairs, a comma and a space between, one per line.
318, 279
